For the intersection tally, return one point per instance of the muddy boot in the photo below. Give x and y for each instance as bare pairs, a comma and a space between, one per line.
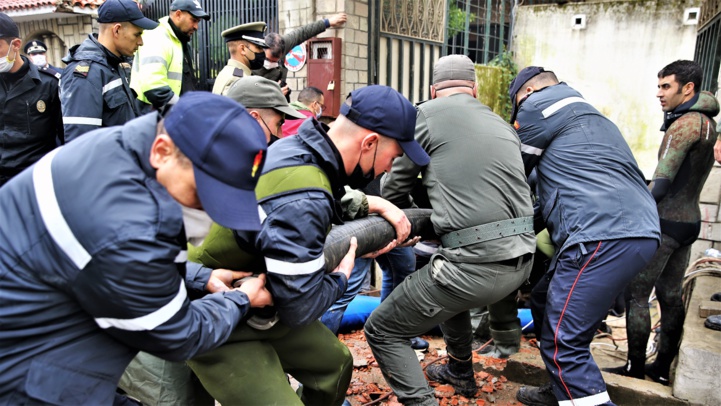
633, 368
533, 396
505, 344
456, 373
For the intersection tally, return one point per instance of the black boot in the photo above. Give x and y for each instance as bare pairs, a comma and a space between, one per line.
533, 396
456, 373
713, 322
656, 373
716, 297
633, 368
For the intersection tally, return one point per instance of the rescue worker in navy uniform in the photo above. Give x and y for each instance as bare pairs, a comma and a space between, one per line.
685, 159
94, 88
30, 117
375, 127
37, 51
601, 218
92, 270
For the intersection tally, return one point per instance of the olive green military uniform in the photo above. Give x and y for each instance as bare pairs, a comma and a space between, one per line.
233, 71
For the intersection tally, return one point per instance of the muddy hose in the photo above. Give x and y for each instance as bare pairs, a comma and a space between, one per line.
372, 233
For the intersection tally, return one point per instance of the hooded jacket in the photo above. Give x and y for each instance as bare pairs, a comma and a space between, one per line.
94, 91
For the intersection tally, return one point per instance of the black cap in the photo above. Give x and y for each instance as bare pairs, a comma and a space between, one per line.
523, 76
35, 47
252, 32
8, 28
120, 11
191, 6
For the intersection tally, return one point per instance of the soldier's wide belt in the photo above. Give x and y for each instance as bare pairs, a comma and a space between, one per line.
487, 232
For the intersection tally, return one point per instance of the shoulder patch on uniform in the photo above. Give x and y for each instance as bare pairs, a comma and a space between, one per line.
237, 72
82, 68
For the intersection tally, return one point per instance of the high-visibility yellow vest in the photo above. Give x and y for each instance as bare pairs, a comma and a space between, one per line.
159, 62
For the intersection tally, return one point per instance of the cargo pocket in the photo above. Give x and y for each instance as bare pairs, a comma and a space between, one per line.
59, 385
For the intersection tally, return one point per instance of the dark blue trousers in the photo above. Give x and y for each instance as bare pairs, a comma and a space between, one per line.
568, 305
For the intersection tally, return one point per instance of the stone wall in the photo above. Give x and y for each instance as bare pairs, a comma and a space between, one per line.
59, 34
354, 36
710, 201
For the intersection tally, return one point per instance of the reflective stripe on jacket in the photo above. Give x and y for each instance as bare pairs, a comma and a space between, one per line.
159, 62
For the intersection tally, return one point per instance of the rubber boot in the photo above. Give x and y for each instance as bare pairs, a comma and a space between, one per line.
505, 344
633, 368
456, 373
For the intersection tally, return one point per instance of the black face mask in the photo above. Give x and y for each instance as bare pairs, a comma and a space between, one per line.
357, 179
273, 137
257, 63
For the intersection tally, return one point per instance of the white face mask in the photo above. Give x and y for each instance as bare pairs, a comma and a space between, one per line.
6, 63
320, 112
270, 65
39, 60
197, 225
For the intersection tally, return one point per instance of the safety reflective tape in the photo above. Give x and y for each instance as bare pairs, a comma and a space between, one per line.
149, 321
112, 85
531, 150
181, 257
154, 59
83, 121
50, 212
175, 76
593, 400
552, 109
294, 268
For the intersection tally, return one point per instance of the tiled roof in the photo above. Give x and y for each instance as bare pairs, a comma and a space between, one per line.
8, 5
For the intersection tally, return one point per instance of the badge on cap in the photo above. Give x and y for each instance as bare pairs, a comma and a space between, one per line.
40, 106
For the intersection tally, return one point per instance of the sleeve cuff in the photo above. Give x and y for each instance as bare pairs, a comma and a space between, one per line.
327, 22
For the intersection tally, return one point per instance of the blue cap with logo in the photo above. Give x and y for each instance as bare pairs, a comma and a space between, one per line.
119, 11
523, 76
227, 148
383, 110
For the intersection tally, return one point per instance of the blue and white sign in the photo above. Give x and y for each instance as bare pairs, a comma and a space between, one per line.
295, 59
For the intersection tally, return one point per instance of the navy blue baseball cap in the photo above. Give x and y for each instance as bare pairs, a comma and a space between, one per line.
227, 148
191, 6
383, 110
120, 11
523, 76
8, 28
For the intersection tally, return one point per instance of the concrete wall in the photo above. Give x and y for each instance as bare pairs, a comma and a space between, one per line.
59, 34
354, 66
614, 61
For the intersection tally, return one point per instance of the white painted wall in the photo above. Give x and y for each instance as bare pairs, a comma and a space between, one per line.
614, 61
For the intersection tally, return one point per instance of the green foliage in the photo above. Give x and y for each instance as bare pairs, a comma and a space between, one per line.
457, 19
509, 71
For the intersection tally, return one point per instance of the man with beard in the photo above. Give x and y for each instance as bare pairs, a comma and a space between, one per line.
163, 68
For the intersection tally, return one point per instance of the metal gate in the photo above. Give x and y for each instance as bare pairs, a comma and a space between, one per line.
406, 38
480, 29
708, 44
211, 53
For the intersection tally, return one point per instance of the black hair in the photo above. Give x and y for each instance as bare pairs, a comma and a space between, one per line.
685, 71
276, 43
309, 95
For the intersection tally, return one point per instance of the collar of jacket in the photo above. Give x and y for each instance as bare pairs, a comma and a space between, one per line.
670, 116
314, 134
92, 50
10, 78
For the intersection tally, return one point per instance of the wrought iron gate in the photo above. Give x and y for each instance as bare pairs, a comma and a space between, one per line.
211, 53
406, 38
708, 44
